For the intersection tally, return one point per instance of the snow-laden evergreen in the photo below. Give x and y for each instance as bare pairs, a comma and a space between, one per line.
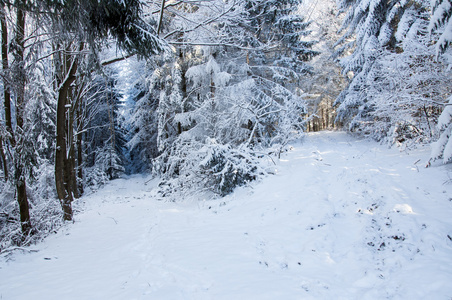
441, 21
398, 84
405, 92
443, 147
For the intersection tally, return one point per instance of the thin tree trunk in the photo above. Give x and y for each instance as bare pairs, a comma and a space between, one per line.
112, 136
162, 9
5, 65
71, 161
183, 85
20, 107
428, 121
77, 154
3, 160
6, 93
70, 143
79, 151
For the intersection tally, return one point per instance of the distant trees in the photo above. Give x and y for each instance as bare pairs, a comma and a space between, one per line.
140, 122
326, 81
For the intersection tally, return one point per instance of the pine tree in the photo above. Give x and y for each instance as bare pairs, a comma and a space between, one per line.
442, 149
441, 21
392, 93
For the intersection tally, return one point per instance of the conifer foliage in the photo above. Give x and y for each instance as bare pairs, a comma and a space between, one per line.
398, 85
443, 147
441, 21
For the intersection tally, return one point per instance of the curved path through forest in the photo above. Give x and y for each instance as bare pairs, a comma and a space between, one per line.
341, 219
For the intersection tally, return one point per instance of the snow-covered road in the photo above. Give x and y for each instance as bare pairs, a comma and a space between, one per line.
342, 219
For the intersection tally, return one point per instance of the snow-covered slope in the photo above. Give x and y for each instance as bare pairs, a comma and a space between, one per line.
342, 219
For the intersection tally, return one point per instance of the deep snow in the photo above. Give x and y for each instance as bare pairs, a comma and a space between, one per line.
342, 219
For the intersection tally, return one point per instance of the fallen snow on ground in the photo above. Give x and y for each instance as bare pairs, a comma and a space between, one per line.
341, 219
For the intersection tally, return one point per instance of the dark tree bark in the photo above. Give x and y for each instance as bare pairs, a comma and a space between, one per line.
3, 160
71, 142
79, 151
64, 170
5, 65
112, 135
78, 146
162, 9
19, 80
183, 86
6, 92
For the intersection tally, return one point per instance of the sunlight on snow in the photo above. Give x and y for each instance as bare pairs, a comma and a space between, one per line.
385, 171
403, 208
328, 259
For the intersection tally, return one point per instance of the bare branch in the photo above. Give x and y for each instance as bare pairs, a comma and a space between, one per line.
207, 22
115, 60
161, 17
219, 44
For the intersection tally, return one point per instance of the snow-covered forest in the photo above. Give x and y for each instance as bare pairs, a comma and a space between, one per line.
203, 97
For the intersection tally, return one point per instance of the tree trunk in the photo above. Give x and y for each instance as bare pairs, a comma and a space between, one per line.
79, 151
162, 9
3, 160
111, 119
63, 165
61, 176
6, 87
73, 171
20, 107
327, 114
71, 142
6, 92
183, 85
22, 199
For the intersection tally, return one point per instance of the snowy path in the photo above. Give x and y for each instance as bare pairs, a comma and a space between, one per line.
342, 219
